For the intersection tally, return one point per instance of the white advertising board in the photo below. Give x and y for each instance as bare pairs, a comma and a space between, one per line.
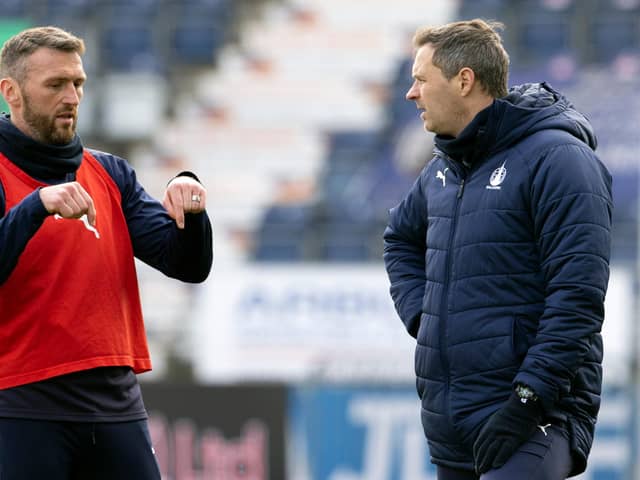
299, 322
333, 322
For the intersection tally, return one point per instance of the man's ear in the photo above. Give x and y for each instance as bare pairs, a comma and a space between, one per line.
466, 79
11, 92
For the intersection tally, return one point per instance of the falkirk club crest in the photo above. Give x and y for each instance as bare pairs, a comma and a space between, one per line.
497, 177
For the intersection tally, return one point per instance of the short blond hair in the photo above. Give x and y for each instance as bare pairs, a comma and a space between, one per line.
17, 48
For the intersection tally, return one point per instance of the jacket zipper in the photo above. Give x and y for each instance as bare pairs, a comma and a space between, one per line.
444, 307
460, 192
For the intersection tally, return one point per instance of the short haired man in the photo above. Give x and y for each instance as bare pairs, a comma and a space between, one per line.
71, 222
498, 259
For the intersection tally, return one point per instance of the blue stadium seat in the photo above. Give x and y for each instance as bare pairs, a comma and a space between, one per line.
350, 153
348, 242
197, 43
560, 70
551, 6
541, 29
387, 185
613, 33
494, 9
627, 6
350, 148
131, 9
401, 110
130, 47
542, 35
71, 9
281, 235
208, 10
13, 9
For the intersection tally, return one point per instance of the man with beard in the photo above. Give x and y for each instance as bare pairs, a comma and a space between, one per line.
498, 259
71, 221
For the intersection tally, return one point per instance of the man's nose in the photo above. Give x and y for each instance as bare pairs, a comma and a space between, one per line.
412, 93
72, 95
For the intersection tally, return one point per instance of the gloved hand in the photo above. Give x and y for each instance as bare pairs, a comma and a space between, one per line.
505, 431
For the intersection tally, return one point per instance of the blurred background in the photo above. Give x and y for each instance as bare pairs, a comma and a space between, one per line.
289, 362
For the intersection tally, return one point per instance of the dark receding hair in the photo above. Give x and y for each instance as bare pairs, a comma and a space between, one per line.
475, 44
16, 50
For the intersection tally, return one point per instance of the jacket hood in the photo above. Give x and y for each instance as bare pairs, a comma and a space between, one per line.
526, 109
532, 107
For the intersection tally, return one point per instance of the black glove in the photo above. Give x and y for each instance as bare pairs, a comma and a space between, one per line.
505, 431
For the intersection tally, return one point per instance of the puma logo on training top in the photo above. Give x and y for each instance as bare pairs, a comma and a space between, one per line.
441, 175
85, 220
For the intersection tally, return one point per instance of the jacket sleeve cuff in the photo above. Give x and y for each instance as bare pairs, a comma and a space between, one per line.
547, 394
35, 207
185, 173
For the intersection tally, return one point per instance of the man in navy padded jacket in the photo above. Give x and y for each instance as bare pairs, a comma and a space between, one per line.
498, 259
72, 220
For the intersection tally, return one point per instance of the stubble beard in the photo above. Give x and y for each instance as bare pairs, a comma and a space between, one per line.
44, 128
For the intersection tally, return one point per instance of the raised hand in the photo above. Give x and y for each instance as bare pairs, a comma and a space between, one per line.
69, 200
184, 195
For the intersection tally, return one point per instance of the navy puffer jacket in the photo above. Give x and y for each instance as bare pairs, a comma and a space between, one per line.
499, 264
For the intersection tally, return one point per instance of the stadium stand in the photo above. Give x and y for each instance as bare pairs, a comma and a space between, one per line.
13, 9
270, 109
128, 45
68, 8
551, 40
294, 113
614, 32
196, 42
